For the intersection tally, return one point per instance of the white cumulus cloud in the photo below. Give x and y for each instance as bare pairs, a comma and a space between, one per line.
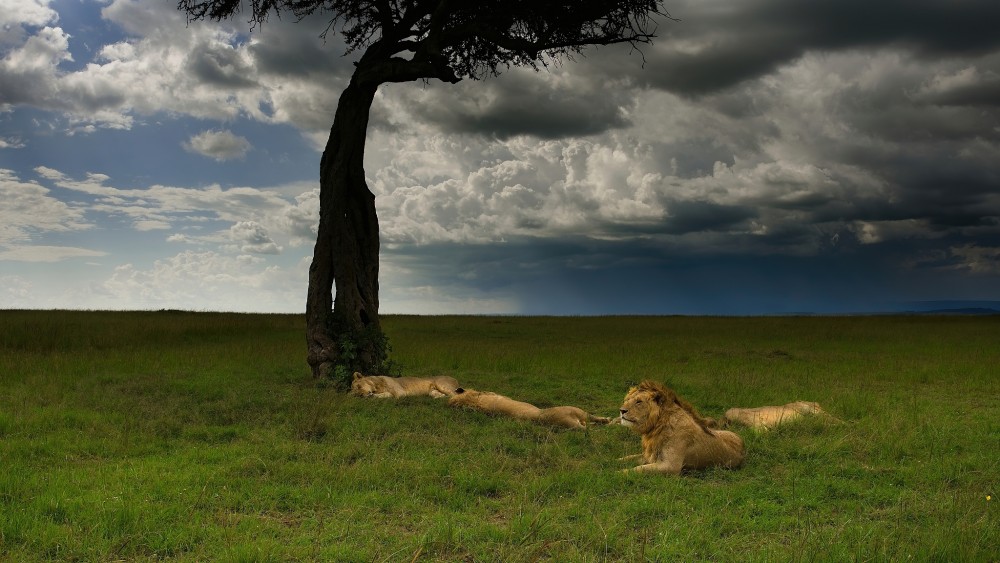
43, 253
218, 145
29, 209
252, 237
203, 281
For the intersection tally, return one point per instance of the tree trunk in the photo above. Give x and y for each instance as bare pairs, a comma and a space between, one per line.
346, 251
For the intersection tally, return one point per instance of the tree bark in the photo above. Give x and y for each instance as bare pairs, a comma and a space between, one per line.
347, 245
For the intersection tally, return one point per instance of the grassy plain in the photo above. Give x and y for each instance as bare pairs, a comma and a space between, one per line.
196, 437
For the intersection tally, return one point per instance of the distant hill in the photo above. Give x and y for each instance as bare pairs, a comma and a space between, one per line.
966, 311
954, 307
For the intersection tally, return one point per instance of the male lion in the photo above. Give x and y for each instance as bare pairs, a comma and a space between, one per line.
383, 387
492, 403
765, 418
674, 435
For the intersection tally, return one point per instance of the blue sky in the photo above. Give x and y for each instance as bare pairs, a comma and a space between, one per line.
763, 156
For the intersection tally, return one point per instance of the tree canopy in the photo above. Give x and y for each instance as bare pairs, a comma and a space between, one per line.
404, 40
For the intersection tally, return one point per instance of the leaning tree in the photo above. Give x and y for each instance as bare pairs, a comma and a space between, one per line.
403, 41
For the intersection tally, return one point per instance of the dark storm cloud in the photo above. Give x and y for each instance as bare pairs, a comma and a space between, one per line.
682, 217
220, 66
693, 216
655, 277
698, 218
743, 40
983, 91
527, 103
909, 123
935, 191
695, 157
933, 179
948, 99
929, 26
292, 49
716, 69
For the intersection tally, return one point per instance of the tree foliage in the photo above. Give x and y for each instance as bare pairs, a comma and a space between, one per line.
403, 40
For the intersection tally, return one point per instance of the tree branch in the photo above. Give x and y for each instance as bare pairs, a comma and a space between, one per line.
384, 11
396, 69
533, 48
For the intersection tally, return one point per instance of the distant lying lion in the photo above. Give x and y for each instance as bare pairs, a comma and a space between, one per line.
674, 436
383, 387
492, 403
765, 418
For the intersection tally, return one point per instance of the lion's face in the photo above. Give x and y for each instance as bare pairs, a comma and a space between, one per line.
464, 397
365, 386
639, 408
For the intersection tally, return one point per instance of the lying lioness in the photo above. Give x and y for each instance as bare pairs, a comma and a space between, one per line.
383, 387
674, 435
765, 418
492, 403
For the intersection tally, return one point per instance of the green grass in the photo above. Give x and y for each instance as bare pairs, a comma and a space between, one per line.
201, 437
